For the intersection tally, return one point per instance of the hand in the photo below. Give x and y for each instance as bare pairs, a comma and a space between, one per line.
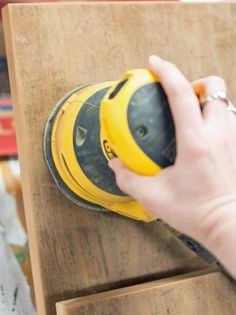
197, 195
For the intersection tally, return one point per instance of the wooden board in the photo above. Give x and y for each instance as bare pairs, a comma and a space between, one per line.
51, 50
2, 47
205, 293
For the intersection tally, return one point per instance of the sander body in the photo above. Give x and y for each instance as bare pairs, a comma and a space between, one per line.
130, 119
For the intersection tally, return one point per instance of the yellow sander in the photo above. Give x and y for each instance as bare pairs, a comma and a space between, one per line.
130, 119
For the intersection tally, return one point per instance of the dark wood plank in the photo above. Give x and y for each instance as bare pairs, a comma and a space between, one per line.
205, 293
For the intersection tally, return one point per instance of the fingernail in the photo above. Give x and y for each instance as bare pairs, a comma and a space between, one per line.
110, 164
115, 164
154, 59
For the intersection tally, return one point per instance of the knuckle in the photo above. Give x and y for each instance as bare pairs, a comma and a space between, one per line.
149, 204
183, 90
213, 79
198, 150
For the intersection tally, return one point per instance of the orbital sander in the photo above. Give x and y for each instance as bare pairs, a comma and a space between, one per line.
130, 119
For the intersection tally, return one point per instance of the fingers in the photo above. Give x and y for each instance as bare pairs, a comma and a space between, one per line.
131, 183
213, 111
150, 191
183, 102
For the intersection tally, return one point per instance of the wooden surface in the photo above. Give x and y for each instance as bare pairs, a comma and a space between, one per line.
51, 50
205, 293
2, 47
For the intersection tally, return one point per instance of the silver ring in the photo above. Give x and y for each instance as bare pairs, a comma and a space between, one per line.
220, 95
231, 109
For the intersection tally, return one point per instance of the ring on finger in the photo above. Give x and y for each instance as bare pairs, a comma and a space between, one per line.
231, 108
219, 95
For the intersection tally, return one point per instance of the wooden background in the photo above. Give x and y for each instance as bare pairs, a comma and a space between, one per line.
51, 50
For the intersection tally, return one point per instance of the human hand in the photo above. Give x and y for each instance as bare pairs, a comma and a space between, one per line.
197, 195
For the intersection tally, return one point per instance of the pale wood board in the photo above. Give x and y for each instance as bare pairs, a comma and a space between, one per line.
205, 292
51, 50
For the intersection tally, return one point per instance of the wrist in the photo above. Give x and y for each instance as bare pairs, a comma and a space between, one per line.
218, 233
223, 247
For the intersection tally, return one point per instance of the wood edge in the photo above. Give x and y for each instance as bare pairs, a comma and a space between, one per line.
16, 99
61, 308
66, 306
120, 2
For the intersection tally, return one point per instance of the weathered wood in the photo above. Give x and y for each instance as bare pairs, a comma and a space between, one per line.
205, 292
2, 47
51, 50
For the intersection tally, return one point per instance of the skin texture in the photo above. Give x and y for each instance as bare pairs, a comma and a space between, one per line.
197, 195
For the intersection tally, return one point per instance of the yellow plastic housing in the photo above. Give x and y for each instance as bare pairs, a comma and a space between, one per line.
69, 169
114, 123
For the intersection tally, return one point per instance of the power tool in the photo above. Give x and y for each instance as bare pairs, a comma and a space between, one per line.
130, 119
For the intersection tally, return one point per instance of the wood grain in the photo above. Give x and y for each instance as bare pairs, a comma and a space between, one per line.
205, 293
52, 49
2, 46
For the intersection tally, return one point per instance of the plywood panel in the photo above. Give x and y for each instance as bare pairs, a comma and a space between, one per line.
51, 50
205, 293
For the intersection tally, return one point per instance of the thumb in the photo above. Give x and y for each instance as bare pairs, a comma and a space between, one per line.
146, 189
